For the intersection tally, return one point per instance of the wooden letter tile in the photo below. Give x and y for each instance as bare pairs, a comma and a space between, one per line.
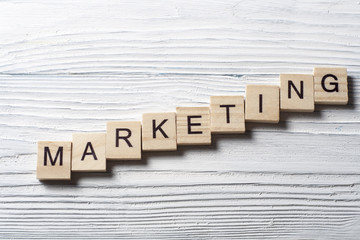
331, 85
227, 114
123, 140
262, 103
159, 131
88, 152
297, 92
54, 161
193, 125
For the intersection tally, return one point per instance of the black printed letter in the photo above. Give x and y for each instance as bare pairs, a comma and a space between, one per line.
193, 124
300, 94
227, 111
53, 162
335, 89
159, 128
260, 103
89, 145
125, 138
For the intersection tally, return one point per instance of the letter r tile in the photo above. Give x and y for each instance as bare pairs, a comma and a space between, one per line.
123, 141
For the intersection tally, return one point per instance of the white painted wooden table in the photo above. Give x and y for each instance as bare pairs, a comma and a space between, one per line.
71, 66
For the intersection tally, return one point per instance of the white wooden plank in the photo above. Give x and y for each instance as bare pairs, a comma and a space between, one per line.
207, 37
72, 66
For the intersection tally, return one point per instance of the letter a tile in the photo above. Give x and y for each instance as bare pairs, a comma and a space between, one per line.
159, 131
331, 85
123, 141
88, 152
193, 125
54, 161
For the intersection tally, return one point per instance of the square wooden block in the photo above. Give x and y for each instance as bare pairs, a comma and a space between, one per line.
331, 85
227, 114
88, 152
262, 103
193, 125
297, 92
54, 161
123, 141
159, 131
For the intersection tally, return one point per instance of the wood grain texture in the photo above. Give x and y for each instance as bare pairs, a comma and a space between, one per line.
70, 66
